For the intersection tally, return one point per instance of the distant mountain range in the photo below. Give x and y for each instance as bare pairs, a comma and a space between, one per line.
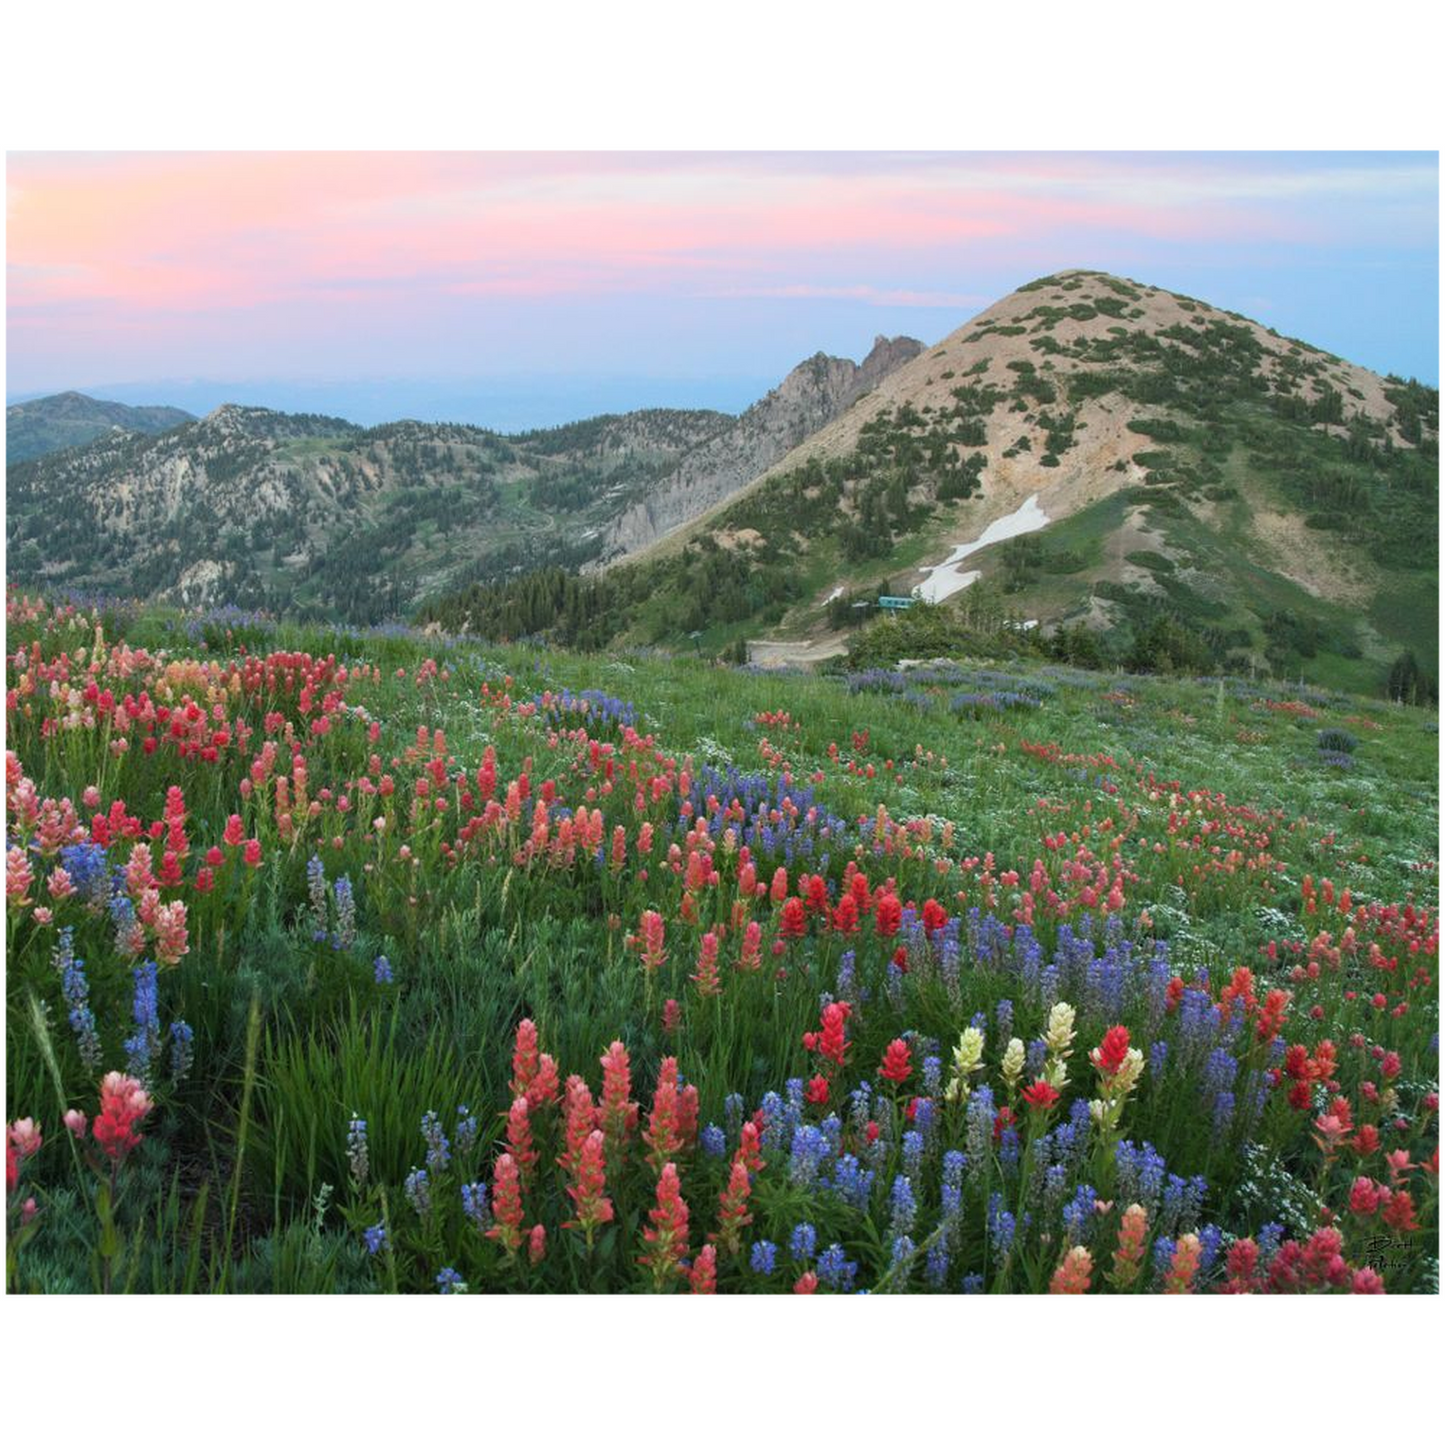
316, 515
51, 423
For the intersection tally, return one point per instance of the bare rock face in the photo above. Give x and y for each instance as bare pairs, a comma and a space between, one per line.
812, 395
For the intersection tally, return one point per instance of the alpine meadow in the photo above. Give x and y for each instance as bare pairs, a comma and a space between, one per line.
965, 822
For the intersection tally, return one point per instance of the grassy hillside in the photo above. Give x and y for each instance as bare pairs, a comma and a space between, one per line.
368, 864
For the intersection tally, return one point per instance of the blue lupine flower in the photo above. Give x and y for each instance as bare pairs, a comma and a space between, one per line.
1056, 1183
1158, 1057
860, 1106
763, 1257
475, 1203
733, 1107
450, 1282
1008, 1150
466, 1130
931, 1074
978, 1123
836, 1270
381, 969
142, 1045
903, 1205
973, 1284
357, 1152
774, 1113
182, 1050
714, 1142
1001, 1228
902, 1256
832, 1130
85, 863
345, 934
1219, 1072
810, 1149
1034, 1057
1163, 1254
316, 891
912, 1153
418, 1192
852, 1182
846, 977
1210, 1239
438, 1151
954, 1164
1079, 1215
375, 1238
76, 992
935, 1264
925, 1116
595, 707
804, 1241
1269, 1238
1223, 1114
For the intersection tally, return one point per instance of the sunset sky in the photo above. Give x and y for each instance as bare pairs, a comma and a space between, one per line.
512, 289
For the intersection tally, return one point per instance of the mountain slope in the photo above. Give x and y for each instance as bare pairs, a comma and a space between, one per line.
70, 419
1186, 462
314, 514
317, 515
813, 394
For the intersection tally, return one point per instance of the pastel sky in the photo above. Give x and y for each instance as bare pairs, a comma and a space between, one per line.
517, 288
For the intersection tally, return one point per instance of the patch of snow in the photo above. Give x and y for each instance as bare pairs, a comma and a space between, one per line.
833, 596
945, 579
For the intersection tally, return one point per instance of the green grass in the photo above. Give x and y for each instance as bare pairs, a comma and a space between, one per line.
294, 1035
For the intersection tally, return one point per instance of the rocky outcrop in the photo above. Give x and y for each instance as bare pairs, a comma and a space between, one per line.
811, 396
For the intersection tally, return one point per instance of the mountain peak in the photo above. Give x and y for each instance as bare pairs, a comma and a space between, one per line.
71, 418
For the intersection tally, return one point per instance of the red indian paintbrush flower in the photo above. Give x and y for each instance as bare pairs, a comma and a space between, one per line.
1183, 1265
1072, 1275
618, 1113
733, 1216
887, 916
506, 1203
832, 1042
580, 1116
544, 1086
123, 1104
652, 932
666, 1240
664, 1133
1241, 1264
794, 921
1040, 1095
1133, 1229
702, 1278
897, 1062
519, 1137
524, 1058
1109, 1057
709, 985
588, 1194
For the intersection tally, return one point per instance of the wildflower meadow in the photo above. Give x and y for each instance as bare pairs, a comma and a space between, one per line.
371, 961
